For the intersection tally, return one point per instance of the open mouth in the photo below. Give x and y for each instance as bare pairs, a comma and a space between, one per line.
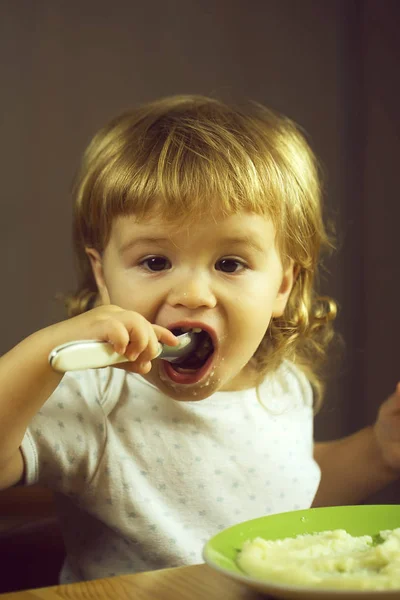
194, 366
201, 353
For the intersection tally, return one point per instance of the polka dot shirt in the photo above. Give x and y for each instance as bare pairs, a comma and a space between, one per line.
143, 481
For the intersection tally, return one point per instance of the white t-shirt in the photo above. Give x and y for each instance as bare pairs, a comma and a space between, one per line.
143, 481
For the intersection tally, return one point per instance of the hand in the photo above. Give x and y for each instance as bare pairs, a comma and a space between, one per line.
387, 430
129, 333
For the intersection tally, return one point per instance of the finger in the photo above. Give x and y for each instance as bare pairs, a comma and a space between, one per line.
136, 348
391, 406
145, 367
396, 399
151, 350
141, 336
157, 335
115, 333
165, 336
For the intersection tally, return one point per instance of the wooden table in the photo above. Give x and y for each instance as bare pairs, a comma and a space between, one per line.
198, 582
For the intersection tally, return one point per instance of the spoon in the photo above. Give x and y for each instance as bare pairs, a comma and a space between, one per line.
94, 354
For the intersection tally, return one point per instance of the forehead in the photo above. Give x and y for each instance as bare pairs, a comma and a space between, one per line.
242, 227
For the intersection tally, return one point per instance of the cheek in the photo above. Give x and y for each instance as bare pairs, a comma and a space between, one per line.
118, 292
123, 293
131, 295
253, 315
257, 303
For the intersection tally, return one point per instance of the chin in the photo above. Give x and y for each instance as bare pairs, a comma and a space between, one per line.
182, 390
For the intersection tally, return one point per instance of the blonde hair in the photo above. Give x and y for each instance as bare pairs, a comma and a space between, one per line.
190, 152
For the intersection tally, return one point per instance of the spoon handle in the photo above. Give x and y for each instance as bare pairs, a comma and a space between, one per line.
94, 354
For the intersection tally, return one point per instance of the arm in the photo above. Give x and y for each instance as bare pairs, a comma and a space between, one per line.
352, 469
27, 380
361, 464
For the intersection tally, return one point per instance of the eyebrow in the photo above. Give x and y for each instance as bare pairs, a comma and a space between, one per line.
246, 240
238, 240
144, 240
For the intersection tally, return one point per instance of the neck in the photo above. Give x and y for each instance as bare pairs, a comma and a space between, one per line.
246, 379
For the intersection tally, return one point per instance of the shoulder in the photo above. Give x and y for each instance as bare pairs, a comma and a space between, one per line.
113, 386
104, 386
288, 385
95, 390
91, 389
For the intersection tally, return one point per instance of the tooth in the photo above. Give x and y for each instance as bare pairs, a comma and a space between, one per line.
185, 329
197, 330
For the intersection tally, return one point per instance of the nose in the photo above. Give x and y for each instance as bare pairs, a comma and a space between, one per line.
193, 291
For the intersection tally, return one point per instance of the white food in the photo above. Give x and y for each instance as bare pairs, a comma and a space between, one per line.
331, 559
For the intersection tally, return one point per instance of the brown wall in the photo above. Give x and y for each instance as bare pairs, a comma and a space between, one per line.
332, 66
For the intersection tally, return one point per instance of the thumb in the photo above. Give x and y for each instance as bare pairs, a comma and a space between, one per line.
393, 402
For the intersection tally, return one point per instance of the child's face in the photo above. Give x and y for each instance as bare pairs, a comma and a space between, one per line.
225, 275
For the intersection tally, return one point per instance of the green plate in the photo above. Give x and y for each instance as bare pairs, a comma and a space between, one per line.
221, 550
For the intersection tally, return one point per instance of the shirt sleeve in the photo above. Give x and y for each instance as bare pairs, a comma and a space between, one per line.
65, 441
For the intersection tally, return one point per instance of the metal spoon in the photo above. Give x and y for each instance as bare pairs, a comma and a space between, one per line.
93, 354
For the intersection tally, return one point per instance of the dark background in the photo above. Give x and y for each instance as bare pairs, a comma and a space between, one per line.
333, 66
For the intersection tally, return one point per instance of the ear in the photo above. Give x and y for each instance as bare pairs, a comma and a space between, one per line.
288, 278
97, 268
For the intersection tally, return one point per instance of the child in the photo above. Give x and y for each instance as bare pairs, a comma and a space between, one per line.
188, 214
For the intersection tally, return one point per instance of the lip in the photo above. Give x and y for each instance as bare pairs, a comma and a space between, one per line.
191, 379
187, 378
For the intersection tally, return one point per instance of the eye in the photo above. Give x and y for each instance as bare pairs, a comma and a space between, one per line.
229, 265
156, 263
